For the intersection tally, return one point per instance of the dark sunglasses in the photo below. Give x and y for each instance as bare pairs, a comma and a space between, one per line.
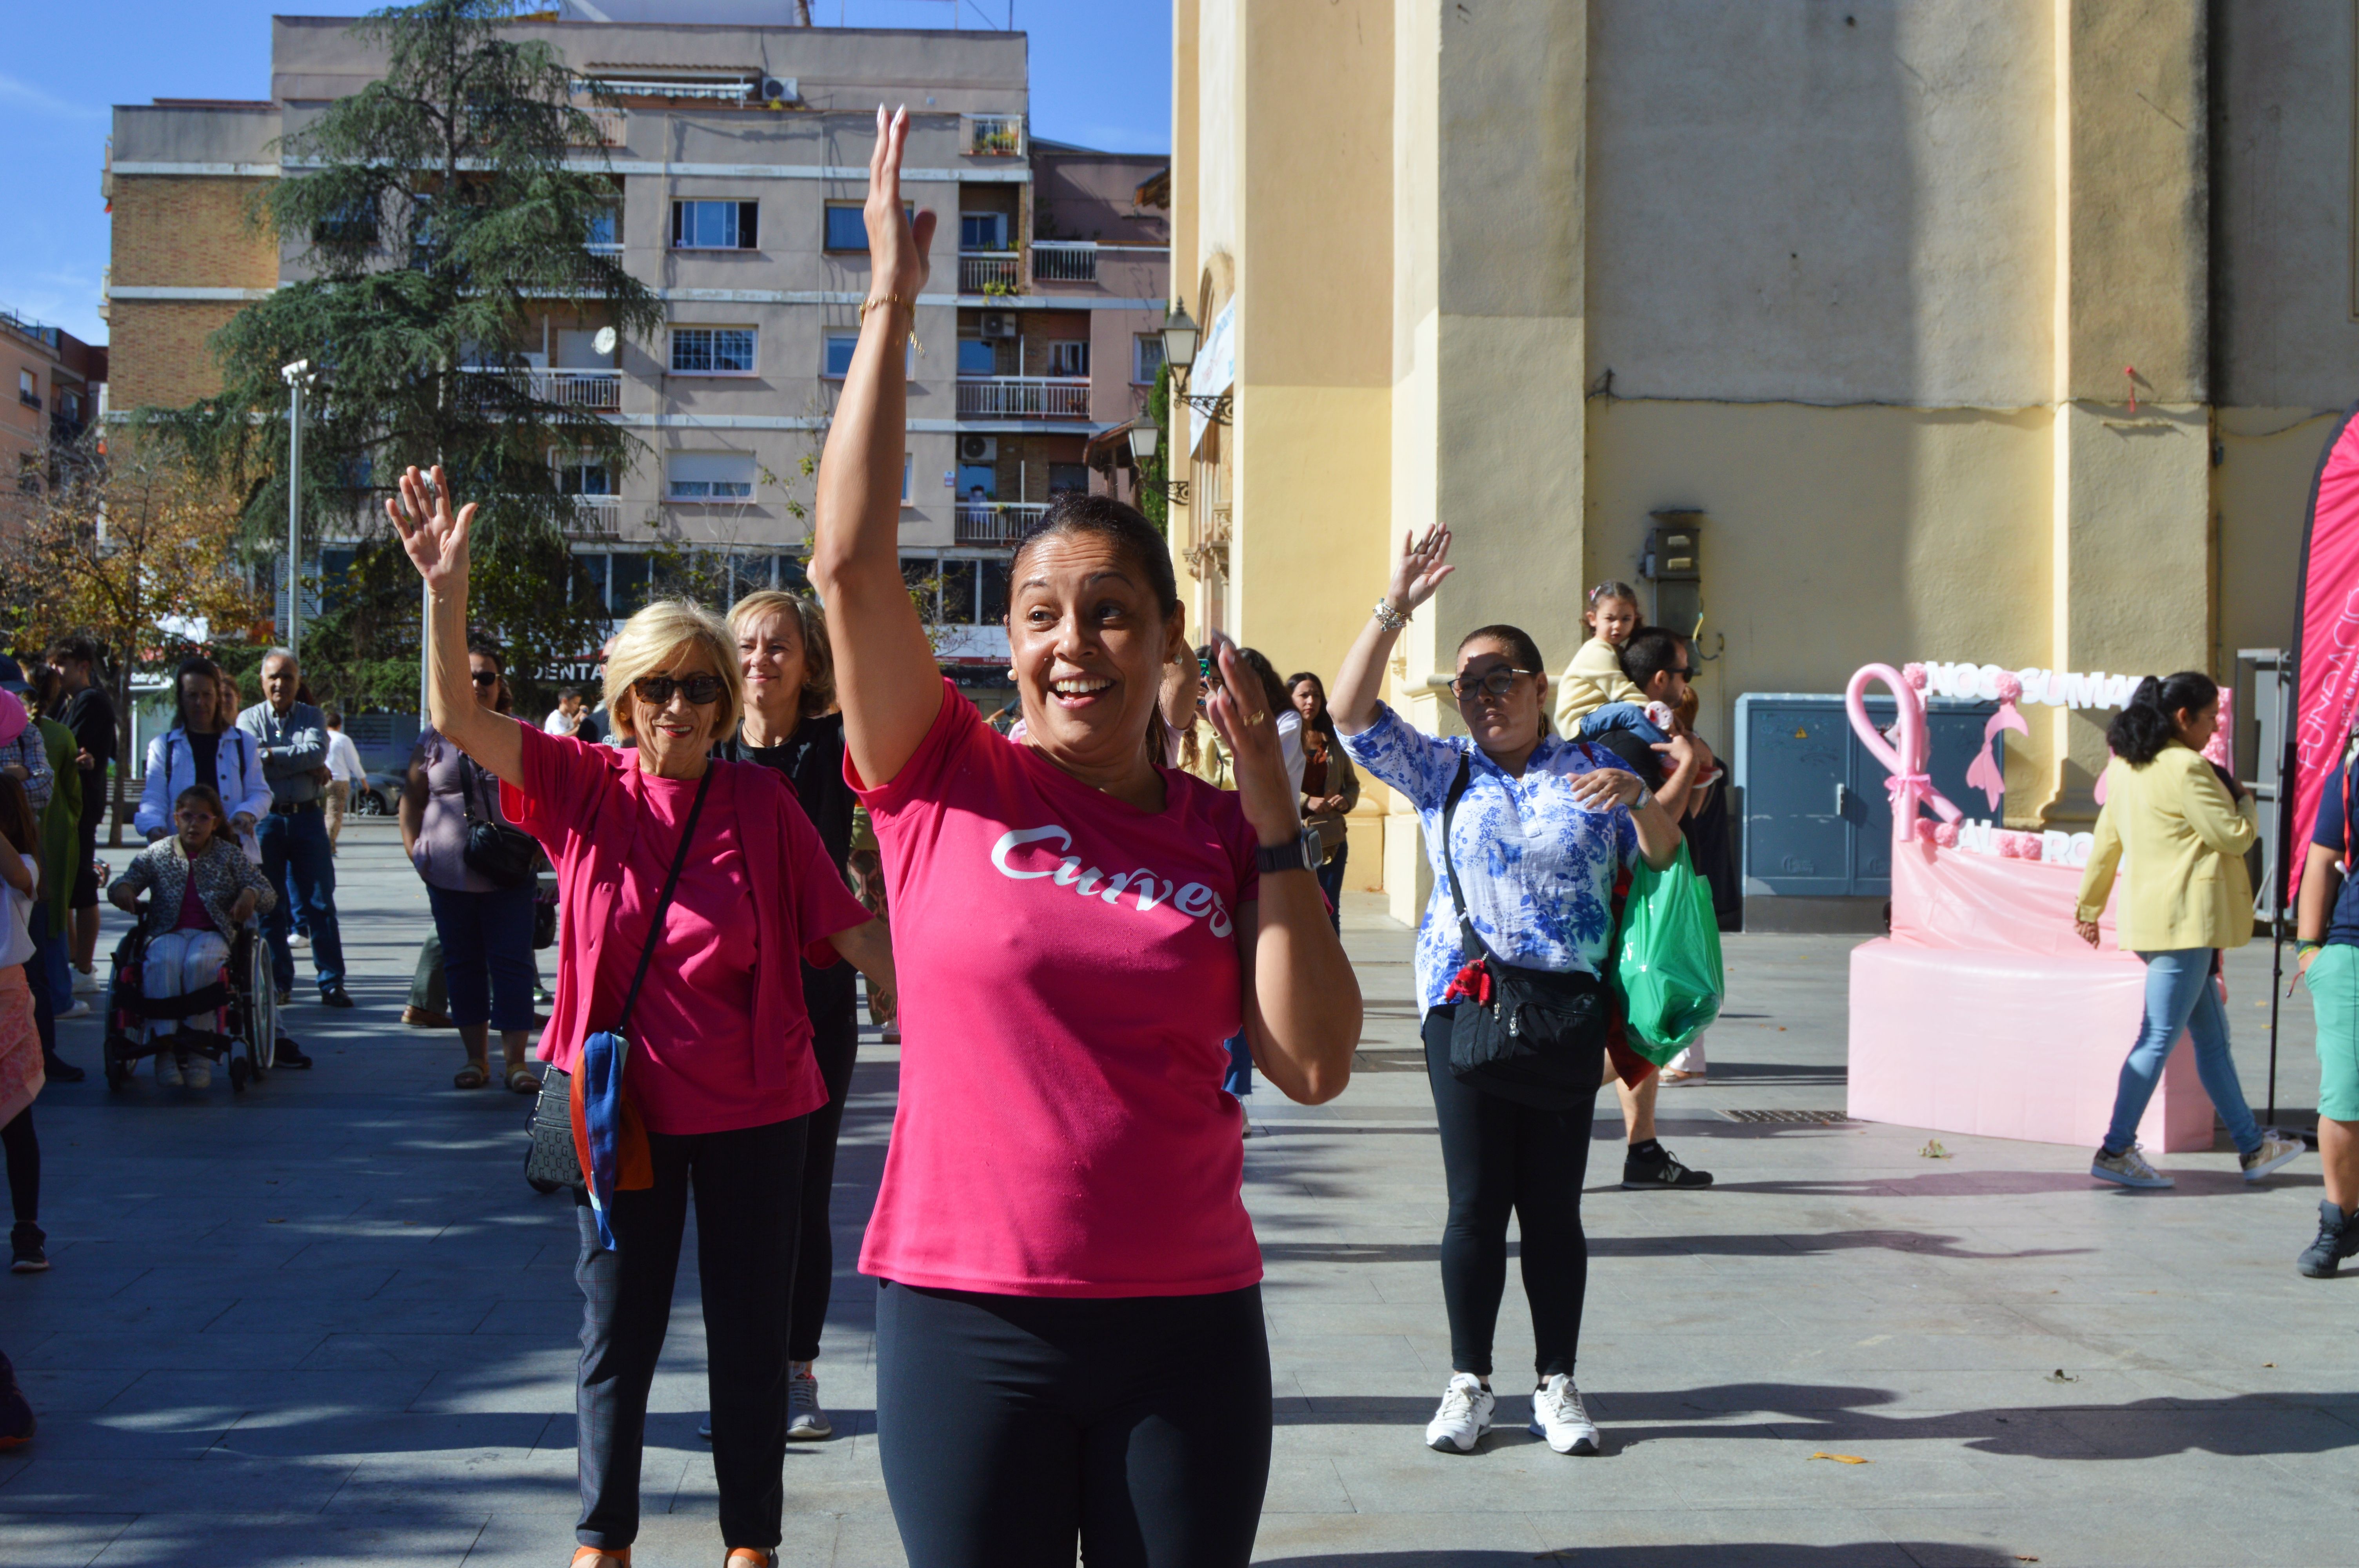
484, 677
701, 690
1496, 681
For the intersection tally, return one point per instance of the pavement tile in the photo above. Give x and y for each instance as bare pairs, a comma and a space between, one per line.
58, 1540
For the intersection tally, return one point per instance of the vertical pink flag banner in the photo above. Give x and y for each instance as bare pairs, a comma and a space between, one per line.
2326, 638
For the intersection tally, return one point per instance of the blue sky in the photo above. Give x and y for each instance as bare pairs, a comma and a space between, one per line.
1100, 77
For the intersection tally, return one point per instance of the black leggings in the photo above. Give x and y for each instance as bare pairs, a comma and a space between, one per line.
744, 1185
23, 1154
835, 1041
1496, 1156
1008, 1425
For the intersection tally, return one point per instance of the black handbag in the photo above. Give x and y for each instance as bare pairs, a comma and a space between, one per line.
508, 856
1539, 1038
550, 1159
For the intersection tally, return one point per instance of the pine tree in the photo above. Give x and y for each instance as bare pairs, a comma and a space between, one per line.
434, 216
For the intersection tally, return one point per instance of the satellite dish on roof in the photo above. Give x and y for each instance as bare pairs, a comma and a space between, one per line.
605, 341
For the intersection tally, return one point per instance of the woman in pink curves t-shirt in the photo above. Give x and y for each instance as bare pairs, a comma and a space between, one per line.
1068, 1329
720, 1067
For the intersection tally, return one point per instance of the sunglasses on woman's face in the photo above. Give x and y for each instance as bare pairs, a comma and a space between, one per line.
1495, 682
484, 677
701, 690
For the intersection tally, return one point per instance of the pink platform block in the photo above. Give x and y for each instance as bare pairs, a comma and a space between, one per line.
2009, 1044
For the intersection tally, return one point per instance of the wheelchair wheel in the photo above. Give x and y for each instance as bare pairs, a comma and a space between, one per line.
240, 1070
261, 1008
118, 1071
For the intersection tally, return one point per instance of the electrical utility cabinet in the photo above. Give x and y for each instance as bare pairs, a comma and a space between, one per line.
1817, 818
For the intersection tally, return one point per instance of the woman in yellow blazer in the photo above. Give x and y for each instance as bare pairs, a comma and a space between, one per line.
2184, 831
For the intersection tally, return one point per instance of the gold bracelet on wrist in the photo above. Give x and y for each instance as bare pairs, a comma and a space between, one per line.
879, 303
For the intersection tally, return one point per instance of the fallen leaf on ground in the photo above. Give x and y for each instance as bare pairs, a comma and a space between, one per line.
2019, 1557
2268, 1363
2061, 1376
1934, 1151
276, 1222
1840, 1459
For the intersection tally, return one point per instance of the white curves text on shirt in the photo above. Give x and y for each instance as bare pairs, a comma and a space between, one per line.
1194, 900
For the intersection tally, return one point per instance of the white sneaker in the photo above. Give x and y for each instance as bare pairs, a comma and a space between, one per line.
301, 939
1558, 1415
1463, 1418
167, 1069
806, 1422
87, 983
2276, 1152
198, 1072
81, 1009
2129, 1168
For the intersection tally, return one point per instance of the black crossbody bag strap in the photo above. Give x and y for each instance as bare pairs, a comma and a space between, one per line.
663, 905
1470, 941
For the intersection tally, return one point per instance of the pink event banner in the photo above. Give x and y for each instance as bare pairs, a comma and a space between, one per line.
2326, 644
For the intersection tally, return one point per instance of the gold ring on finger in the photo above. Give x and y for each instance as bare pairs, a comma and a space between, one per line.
1257, 715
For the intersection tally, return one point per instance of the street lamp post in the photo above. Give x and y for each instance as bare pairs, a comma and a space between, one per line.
298, 376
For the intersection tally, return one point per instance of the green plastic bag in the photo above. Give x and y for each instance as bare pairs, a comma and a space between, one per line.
1665, 969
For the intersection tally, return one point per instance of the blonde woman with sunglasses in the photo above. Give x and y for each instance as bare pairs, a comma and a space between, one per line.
721, 1071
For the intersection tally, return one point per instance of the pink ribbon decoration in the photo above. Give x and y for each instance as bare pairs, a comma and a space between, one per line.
1986, 775
1904, 757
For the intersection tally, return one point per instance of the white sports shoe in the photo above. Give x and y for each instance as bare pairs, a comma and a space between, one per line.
87, 983
198, 1072
1464, 1415
167, 1069
2276, 1152
1558, 1415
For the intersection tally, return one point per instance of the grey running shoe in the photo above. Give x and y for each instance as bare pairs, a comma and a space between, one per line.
2338, 1237
806, 1422
2129, 1168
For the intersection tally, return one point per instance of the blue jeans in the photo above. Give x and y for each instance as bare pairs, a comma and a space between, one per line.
296, 861
1620, 716
487, 964
57, 964
1238, 1079
2179, 996
1330, 883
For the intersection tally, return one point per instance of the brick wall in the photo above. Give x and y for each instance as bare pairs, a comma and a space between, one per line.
158, 353
190, 232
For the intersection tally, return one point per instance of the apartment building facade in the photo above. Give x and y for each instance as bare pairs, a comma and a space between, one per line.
739, 158
60, 381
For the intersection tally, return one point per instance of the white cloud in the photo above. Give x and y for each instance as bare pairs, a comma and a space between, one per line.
28, 96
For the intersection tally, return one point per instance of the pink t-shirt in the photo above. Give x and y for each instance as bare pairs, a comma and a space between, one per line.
1069, 972
719, 1041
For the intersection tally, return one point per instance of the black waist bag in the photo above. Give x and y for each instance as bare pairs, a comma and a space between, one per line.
509, 856
1538, 1037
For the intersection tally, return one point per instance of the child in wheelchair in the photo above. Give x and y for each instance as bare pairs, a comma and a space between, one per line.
203, 888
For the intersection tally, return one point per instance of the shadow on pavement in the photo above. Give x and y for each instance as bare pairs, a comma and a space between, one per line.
1743, 1245
1719, 1554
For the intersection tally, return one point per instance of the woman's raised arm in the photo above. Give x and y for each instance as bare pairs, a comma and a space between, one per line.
437, 543
1359, 684
885, 676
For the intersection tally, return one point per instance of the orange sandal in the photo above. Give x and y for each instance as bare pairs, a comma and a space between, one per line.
750, 1557
599, 1557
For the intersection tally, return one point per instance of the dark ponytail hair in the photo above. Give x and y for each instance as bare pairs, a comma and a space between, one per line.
2142, 729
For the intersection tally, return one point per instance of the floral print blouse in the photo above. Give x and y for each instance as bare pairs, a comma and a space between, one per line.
1537, 869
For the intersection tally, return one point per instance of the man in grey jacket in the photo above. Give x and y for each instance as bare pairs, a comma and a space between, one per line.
296, 854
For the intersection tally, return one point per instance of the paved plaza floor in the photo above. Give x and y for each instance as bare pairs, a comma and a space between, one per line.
327, 1322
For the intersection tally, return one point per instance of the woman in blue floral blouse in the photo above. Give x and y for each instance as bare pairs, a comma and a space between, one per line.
1543, 828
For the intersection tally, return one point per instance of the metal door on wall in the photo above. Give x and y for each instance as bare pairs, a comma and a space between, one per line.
1817, 815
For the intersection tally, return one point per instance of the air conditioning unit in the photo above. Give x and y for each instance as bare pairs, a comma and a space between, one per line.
978, 448
778, 90
1000, 324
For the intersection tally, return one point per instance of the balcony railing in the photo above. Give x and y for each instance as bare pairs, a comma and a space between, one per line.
31, 400
595, 517
989, 272
1023, 397
995, 136
1064, 261
599, 391
608, 128
996, 521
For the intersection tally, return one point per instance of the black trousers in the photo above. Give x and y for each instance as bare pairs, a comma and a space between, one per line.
1499, 1157
744, 1183
835, 1041
1009, 1425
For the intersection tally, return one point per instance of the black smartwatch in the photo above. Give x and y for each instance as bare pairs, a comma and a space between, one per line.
1295, 855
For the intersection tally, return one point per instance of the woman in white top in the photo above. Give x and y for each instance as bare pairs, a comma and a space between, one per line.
203, 747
